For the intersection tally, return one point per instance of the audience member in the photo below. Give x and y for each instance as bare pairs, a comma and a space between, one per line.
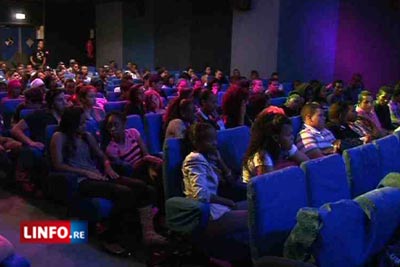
271, 144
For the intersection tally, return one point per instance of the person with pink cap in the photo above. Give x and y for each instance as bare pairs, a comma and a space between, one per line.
14, 89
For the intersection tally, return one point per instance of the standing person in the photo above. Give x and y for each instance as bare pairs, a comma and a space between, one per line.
71, 151
38, 58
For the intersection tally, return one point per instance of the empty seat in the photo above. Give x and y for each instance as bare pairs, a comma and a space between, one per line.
274, 199
363, 168
326, 180
278, 101
287, 87
388, 151
117, 106
232, 144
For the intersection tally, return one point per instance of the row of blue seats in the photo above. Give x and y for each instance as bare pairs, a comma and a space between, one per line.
349, 236
275, 198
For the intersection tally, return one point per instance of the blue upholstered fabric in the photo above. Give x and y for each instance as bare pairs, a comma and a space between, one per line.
153, 124
341, 241
274, 200
8, 109
220, 97
117, 105
25, 112
278, 101
287, 87
172, 173
326, 180
232, 144
168, 91
135, 121
111, 96
297, 123
363, 168
15, 261
388, 151
3, 94
383, 206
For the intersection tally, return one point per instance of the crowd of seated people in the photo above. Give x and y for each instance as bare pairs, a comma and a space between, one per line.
334, 118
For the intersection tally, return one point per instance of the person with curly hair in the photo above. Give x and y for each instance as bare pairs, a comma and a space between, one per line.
271, 145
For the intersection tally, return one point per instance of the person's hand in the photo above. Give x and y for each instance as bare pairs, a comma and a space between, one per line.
12, 145
366, 139
337, 146
152, 159
95, 176
111, 173
37, 145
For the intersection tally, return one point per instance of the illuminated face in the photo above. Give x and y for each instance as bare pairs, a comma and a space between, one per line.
317, 120
273, 86
84, 70
258, 86
383, 99
208, 71
219, 75
366, 103
285, 138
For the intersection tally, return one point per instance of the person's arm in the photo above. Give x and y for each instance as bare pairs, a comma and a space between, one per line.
316, 153
196, 175
99, 153
297, 155
56, 148
18, 130
44, 61
260, 170
32, 61
263, 166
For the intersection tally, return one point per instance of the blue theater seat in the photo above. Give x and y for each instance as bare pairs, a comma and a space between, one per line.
341, 240
15, 260
363, 168
388, 151
8, 109
297, 124
232, 144
287, 87
117, 105
153, 123
174, 155
220, 98
25, 112
326, 180
135, 121
274, 199
382, 206
111, 96
168, 91
278, 101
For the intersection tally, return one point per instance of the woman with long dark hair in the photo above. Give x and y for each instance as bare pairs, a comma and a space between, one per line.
270, 145
71, 151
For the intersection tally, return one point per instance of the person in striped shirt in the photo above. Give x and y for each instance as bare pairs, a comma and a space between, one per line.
314, 139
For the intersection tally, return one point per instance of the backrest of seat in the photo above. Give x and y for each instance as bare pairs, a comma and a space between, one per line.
50, 130
382, 206
278, 101
8, 109
116, 105
326, 180
363, 168
297, 124
135, 121
388, 151
274, 199
153, 127
174, 155
220, 97
341, 240
25, 112
232, 144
